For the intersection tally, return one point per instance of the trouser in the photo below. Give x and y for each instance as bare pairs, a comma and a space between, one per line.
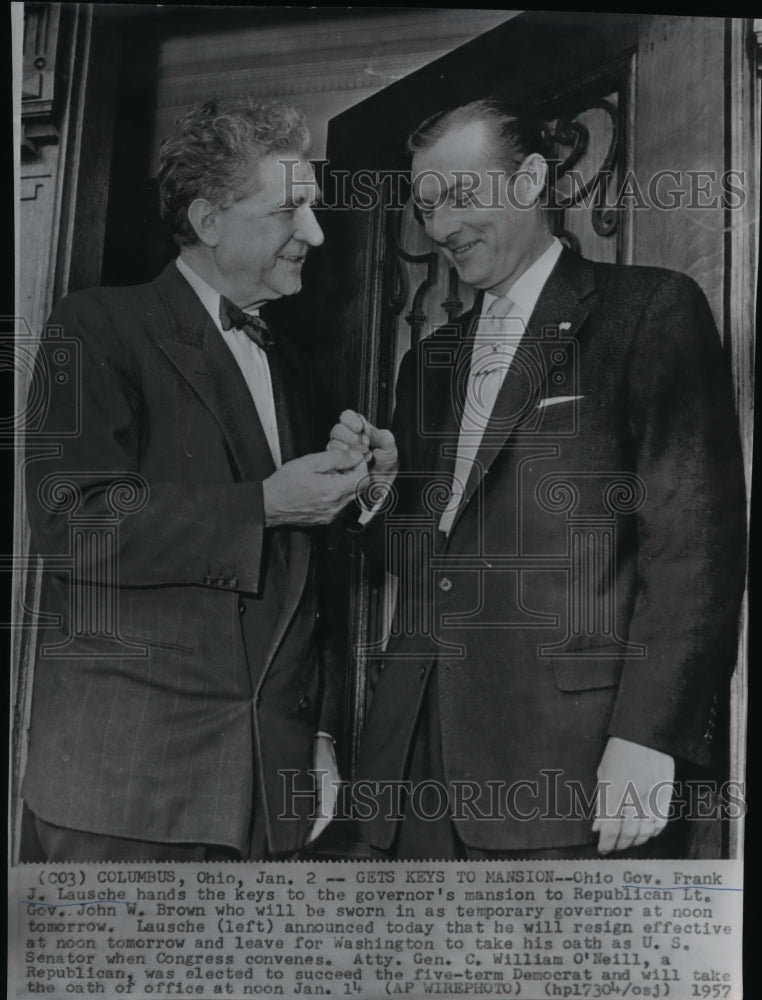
437, 838
44, 842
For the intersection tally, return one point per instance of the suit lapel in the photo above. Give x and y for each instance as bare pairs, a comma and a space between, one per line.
291, 545
198, 351
528, 380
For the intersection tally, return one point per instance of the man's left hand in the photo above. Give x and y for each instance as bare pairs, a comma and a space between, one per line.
327, 773
635, 785
355, 433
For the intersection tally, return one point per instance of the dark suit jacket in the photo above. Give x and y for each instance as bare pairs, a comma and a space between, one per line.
175, 731
591, 582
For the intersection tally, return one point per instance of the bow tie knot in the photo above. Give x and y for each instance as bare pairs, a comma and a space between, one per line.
255, 328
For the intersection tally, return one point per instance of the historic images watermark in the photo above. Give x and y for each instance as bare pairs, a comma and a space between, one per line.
551, 797
665, 190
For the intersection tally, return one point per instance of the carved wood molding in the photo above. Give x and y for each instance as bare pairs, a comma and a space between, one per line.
742, 269
31, 186
43, 51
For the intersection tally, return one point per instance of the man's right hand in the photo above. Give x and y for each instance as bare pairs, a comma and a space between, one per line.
313, 489
353, 431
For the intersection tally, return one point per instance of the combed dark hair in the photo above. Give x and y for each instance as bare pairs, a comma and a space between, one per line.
513, 137
211, 151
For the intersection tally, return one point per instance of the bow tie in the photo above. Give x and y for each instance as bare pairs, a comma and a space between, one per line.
255, 328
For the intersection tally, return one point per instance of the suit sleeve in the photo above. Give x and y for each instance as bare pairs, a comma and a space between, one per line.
170, 532
691, 527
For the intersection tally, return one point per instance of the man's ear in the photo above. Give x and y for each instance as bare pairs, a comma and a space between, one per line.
530, 180
204, 218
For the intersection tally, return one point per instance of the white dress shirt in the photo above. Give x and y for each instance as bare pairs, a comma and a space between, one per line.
249, 357
496, 339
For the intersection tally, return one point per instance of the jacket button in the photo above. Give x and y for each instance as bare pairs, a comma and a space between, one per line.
233, 581
303, 703
207, 581
220, 581
445, 584
423, 672
241, 608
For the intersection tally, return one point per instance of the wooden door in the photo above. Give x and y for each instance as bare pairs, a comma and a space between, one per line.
628, 98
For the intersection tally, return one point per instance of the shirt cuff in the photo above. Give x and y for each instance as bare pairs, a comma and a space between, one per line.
368, 513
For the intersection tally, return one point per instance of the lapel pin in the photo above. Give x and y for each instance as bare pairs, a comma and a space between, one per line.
564, 326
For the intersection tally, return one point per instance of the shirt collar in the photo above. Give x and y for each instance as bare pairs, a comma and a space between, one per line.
526, 290
210, 297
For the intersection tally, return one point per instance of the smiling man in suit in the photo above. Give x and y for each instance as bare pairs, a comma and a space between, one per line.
183, 671
566, 517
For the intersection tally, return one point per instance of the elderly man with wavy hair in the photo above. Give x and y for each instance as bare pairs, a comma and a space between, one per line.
184, 675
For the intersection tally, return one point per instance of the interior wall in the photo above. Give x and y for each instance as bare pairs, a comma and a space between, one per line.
324, 60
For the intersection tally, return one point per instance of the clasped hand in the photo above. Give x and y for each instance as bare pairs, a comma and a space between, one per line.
354, 433
313, 489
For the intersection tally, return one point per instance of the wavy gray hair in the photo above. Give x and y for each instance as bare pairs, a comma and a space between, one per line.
212, 149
